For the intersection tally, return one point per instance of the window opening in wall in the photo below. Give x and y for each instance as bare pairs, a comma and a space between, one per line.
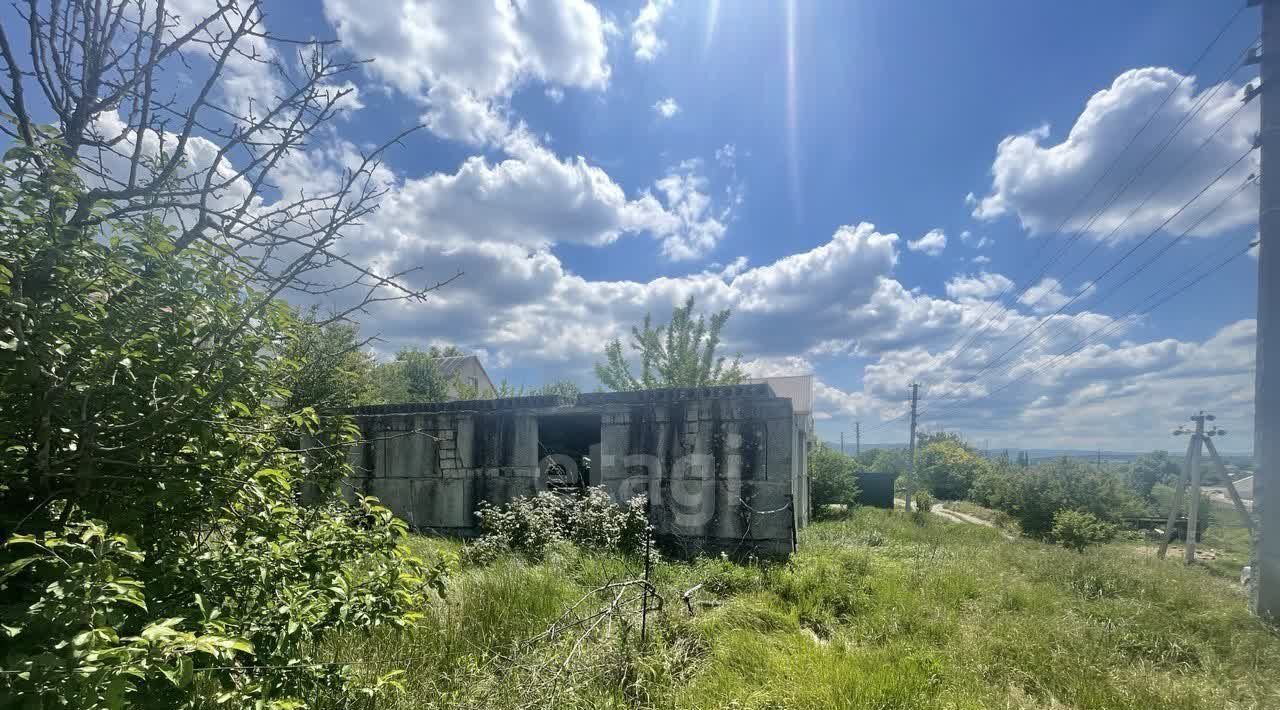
565, 443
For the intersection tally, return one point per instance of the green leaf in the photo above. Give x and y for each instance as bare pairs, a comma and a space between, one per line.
114, 697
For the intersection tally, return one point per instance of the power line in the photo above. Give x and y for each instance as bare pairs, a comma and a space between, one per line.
963, 342
1101, 333
1106, 271
1235, 65
1114, 289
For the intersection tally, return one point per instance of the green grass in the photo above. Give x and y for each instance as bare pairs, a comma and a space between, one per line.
875, 611
1228, 538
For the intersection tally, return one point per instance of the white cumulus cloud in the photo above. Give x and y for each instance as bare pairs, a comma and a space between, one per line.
644, 30
465, 59
980, 286
931, 244
1041, 182
667, 107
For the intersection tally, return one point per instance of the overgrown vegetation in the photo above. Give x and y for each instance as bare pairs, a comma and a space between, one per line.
531, 524
874, 611
154, 536
832, 481
172, 531
682, 353
1077, 530
1033, 496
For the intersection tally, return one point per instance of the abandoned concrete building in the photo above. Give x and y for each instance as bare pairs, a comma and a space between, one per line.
722, 469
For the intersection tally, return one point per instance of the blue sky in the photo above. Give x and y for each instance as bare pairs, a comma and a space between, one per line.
857, 180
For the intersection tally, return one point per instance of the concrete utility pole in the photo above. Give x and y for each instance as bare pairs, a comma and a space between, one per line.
842, 442
911, 457
857, 440
1175, 506
1193, 499
1266, 399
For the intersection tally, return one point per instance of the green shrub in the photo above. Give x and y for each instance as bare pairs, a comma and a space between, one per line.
831, 480
157, 532
529, 525
1077, 530
923, 502
948, 468
1033, 496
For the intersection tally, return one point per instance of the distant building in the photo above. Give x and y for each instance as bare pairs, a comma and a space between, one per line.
466, 376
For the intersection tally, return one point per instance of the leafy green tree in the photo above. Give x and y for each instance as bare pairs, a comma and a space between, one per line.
1033, 496
832, 479
889, 461
150, 503
415, 376
948, 468
1151, 469
331, 369
681, 353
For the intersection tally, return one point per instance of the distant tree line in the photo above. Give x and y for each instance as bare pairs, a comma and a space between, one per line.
1067, 500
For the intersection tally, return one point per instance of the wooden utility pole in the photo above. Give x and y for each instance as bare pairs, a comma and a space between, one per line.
911, 457
1265, 596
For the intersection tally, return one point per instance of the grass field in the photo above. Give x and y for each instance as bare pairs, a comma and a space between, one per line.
874, 612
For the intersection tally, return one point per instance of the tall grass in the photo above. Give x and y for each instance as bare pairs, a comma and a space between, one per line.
875, 611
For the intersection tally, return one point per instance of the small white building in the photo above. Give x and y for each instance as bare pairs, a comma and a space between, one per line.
465, 372
798, 389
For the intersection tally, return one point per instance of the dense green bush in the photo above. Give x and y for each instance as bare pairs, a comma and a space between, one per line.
923, 502
1150, 470
1033, 496
1077, 530
150, 503
531, 524
831, 479
948, 468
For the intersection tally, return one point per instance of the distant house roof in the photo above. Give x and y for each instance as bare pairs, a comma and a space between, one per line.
797, 388
451, 367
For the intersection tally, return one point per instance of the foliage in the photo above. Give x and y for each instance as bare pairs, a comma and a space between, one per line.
1032, 496
152, 501
889, 461
831, 479
330, 369
414, 376
948, 468
562, 388
1149, 470
531, 524
681, 353
1077, 530
923, 501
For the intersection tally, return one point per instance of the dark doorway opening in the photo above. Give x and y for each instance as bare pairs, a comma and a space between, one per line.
565, 444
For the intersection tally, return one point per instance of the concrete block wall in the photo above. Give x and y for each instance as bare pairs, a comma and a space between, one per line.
717, 464
434, 470
717, 471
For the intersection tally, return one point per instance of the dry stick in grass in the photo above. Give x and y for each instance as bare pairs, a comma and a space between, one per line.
617, 605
